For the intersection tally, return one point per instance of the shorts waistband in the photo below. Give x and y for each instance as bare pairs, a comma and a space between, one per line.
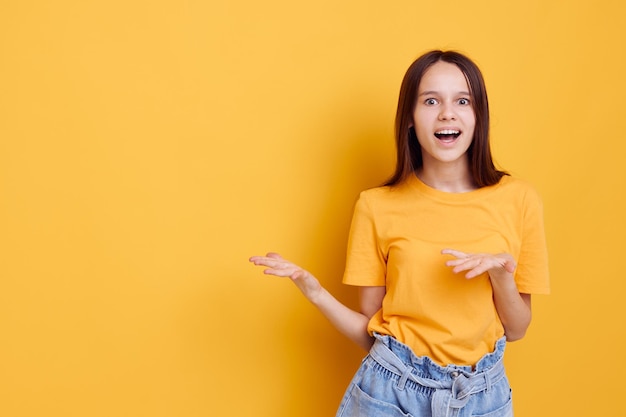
432, 368
459, 380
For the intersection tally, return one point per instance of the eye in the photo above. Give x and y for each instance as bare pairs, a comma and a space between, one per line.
430, 101
464, 101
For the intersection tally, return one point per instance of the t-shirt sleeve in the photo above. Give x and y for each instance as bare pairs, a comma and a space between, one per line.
365, 262
532, 275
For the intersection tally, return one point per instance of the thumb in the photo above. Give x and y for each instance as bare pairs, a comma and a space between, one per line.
510, 266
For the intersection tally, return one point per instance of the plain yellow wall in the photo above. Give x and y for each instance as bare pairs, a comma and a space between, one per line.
148, 148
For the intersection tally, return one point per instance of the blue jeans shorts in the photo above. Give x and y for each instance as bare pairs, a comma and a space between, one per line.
393, 382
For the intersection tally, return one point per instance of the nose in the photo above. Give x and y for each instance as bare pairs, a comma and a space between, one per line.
446, 112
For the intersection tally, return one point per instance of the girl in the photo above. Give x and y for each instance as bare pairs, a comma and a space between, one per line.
445, 256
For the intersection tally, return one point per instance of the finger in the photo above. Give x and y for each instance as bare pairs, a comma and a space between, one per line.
478, 270
298, 275
272, 255
456, 262
465, 262
256, 258
509, 266
270, 262
488, 264
281, 272
467, 265
455, 253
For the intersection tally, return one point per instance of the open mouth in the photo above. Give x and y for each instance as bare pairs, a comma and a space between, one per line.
447, 134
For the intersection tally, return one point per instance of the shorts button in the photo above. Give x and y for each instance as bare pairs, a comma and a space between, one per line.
454, 374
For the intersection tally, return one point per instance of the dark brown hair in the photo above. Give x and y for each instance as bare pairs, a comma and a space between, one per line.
409, 153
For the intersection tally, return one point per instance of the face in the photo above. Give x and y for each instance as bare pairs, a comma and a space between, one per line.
443, 118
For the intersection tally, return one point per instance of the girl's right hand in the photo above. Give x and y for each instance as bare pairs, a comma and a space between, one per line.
280, 267
352, 324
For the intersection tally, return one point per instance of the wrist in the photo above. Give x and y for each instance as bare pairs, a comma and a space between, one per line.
502, 280
316, 297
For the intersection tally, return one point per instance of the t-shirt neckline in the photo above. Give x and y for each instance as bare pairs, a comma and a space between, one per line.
447, 196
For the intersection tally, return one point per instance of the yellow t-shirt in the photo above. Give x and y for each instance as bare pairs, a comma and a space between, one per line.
396, 240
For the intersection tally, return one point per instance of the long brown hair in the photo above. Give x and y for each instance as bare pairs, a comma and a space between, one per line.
409, 152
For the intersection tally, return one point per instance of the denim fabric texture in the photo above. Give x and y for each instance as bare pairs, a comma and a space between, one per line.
393, 382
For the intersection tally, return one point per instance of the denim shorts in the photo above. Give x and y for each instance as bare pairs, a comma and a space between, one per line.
393, 382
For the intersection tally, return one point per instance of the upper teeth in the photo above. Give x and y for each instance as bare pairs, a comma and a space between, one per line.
448, 132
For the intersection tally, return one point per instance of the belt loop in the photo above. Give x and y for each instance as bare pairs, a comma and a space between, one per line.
404, 377
487, 381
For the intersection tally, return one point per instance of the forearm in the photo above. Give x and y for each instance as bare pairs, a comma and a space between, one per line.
350, 323
513, 308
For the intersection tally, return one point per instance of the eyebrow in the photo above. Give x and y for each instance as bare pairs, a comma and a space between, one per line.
432, 92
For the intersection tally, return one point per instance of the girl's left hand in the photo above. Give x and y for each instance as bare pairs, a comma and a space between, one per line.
475, 264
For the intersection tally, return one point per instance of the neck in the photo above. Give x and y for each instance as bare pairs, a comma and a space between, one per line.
444, 177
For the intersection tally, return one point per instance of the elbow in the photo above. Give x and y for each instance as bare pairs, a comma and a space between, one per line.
516, 333
512, 336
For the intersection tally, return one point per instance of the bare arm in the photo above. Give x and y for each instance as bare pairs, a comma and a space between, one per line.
513, 307
371, 300
350, 323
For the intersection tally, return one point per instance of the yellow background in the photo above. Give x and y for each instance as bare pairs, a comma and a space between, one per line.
148, 148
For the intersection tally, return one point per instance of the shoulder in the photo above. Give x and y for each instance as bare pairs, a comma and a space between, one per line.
517, 186
519, 192
385, 195
375, 193
382, 201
